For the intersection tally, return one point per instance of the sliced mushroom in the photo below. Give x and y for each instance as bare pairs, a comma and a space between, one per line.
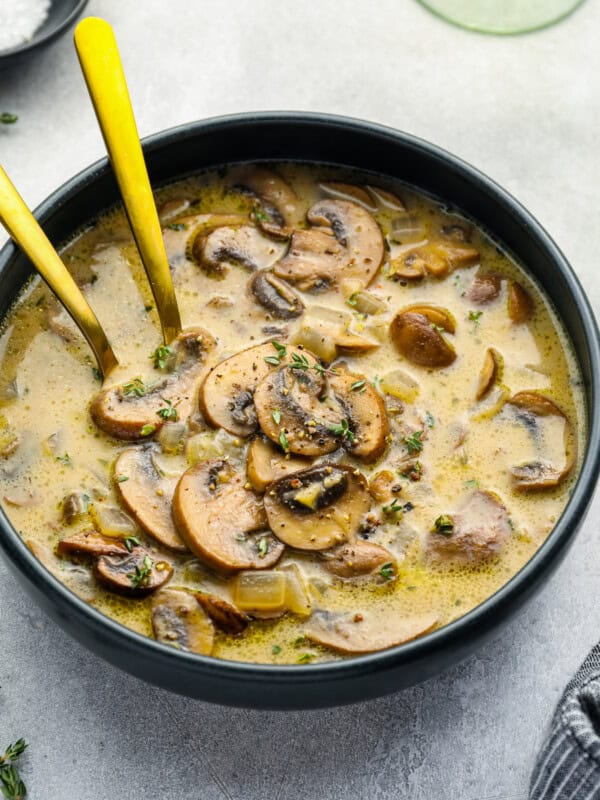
457, 231
485, 288
266, 463
91, 543
365, 632
136, 575
148, 495
316, 259
541, 474
490, 372
319, 507
244, 245
221, 522
357, 559
419, 342
74, 506
348, 191
224, 614
131, 411
178, 620
180, 233
278, 200
438, 316
384, 486
275, 295
476, 532
293, 411
435, 258
520, 303
365, 411
226, 395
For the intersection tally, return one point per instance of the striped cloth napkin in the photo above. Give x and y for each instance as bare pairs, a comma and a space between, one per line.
568, 767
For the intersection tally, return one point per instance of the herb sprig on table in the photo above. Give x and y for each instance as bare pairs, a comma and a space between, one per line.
11, 785
7, 119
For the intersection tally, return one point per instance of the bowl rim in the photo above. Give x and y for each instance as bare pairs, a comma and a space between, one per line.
46, 38
480, 618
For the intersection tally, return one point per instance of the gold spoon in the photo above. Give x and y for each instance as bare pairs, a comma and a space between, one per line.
25, 230
101, 65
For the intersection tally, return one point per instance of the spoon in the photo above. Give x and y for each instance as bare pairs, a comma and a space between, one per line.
25, 230
103, 72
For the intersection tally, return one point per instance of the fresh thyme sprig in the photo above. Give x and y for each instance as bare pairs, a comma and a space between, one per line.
11, 785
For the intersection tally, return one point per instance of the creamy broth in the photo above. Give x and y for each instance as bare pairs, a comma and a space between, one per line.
451, 457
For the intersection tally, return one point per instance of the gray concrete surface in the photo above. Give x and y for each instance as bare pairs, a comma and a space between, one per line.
525, 110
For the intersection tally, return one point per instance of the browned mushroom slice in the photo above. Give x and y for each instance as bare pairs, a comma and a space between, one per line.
136, 575
221, 522
485, 288
438, 316
490, 372
244, 245
313, 260
419, 342
475, 533
365, 632
275, 295
279, 202
365, 411
319, 507
173, 208
457, 231
357, 559
148, 495
178, 620
267, 463
226, 395
293, 411
348, 191
542, 474
520, 303
91, 543
180, 233
131, 410
224, 614
436, 258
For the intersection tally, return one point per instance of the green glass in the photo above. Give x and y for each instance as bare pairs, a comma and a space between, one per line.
502, 16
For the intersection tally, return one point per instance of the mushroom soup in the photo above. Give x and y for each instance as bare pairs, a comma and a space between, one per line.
371, 420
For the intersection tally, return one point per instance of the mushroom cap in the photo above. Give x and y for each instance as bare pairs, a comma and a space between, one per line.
357, 559
520, 304
244, 245
148, 496
275, 295
419, 342
480, 530
119, 573
301, 416
126, 415
91, 543
224, 614
178, 620
227, 393
485, 288
492, 367
276, 195
319, 507
366, 632
221, 522
313, 261
366, 413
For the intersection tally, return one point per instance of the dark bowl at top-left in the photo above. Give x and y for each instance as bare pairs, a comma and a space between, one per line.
61, 15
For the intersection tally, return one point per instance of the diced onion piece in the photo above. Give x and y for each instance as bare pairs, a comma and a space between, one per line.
169, 466
260, 592
367, 303
400, 384
317, 341
297, 598
210, 444
407, 228
172, 437
111, 521
350, 286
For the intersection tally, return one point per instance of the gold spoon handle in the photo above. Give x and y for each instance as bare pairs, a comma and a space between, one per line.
24, 229
101, 65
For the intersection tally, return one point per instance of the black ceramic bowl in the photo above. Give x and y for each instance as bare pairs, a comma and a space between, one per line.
61, 15
332, 140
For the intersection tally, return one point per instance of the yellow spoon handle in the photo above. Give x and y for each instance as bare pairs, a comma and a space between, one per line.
101, 64
24, 229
